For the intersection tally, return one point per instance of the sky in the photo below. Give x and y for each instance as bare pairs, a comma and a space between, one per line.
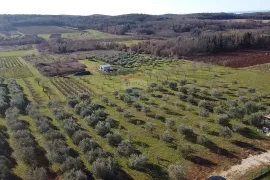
117, 7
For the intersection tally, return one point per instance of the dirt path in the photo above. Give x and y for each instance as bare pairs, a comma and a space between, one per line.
246, 165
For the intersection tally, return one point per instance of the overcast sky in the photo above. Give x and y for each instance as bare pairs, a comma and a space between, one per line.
117, 7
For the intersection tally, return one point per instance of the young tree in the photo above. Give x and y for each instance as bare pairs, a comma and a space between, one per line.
177, 172
104, 168
138, 161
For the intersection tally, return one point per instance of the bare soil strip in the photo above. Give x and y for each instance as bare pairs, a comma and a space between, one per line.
252, 162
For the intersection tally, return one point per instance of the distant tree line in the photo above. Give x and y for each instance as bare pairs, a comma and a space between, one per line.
161, 25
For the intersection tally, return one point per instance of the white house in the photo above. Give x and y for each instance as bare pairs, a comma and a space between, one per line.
105, 68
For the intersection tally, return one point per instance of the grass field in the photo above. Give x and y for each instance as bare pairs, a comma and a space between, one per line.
19, 53
44, 30
91, 35
40, 90
261, 67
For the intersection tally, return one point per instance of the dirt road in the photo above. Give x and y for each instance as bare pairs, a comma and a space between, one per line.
246, 165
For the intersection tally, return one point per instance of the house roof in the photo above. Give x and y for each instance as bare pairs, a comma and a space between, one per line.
267, 116
106, 65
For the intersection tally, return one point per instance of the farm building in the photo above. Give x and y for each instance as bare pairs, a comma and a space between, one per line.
105, 68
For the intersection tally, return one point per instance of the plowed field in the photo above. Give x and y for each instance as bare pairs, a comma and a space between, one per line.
237, 59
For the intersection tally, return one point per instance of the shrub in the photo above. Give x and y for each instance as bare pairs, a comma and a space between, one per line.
78, 136
125, 148
92, 155
256, 119
172, 85
204, 91
185, 150
203, 112
114, 139
71, 164
115, 93
72, 101
225, 132
165, 97
203, 140
192, 89
237, 112
223, 119
183, 82
105, 99
251, 90
216, 93
150, 127
87, 144
166, 137
103, 128
204, 127
239, 128
138, 161
74, 175
191, 99
170, 122
243, 99
251, 107
177, 172
182, 96
145, 109
104, 168
234, 82
92, 120
70, 126
241, 92
36, 173
186, 131
136, 105
182, 89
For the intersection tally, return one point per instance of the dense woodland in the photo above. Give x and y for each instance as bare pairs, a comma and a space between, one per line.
196, 33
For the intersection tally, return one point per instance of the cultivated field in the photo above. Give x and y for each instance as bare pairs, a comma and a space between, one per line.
237, 59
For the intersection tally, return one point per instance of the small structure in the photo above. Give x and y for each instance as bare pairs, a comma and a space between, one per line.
105, 68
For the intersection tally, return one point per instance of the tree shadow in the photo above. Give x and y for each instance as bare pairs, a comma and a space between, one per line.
155, 171
213, 133
246, 145
120, 174
142, 144
201, 161
218, 150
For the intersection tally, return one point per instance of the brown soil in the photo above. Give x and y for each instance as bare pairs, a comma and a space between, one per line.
212, 164
236, 59
60, 68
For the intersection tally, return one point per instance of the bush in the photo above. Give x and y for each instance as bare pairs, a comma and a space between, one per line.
115, 93
74, 175
172, 85
239, 128
256, 119
94, 154
225, 132
203, 140
243, 99
177, 172
138, 161
204, 91
78, 136
186, 131
150, 127
237, 112
36, 173
70, 126
219, 110
191, 100
165, 97
170, 122
72, 101
92, 120
216, 93
71, 164
103, 128
204, 127
251, 90
251, 107
105, 99
203, 112
223, 119
185, 150
192, 89
114, 139
104, 168
125, 148
166, 137
87, 144
183, 82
